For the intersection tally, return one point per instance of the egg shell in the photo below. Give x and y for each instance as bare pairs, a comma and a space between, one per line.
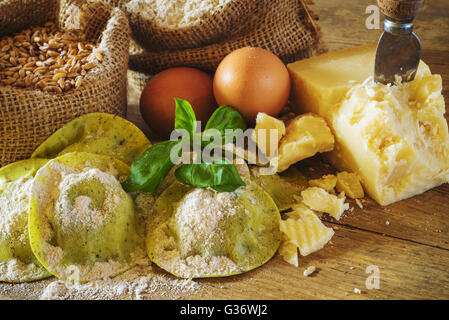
252, 80
157, 104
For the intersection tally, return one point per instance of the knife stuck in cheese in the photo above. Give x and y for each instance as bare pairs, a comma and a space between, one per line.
395, 138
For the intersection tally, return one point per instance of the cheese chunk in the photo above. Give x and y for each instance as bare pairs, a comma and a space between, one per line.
307, 232
320, 200
395, 138
349, 183
289, 252
267, 133
305, 136
327, 182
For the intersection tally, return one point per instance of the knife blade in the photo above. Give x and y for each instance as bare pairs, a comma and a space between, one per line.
399, 49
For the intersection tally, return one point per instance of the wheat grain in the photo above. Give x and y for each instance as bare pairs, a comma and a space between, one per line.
46, 59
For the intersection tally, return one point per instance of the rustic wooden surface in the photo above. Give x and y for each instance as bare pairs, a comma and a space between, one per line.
408, 241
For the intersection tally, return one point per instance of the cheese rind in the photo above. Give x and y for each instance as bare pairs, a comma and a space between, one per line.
395, 138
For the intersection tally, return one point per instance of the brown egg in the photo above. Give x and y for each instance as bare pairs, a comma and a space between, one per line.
252, 80
157, 104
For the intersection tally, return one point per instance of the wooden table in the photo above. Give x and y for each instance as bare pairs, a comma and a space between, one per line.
408, 241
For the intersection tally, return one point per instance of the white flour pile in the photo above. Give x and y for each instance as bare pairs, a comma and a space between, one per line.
56, 210
175, 14
80, 214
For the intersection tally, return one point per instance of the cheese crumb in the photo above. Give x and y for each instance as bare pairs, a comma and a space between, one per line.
320, 200
350, 184
309, 271
327, 182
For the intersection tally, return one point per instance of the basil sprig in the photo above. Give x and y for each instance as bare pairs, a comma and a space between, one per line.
151, 168
185, 117
224, 118
219, 176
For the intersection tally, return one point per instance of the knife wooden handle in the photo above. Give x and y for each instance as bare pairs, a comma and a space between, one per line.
400, 9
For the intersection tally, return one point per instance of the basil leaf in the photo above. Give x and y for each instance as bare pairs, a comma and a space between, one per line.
225, 117
151, 168
219, 176
185, 117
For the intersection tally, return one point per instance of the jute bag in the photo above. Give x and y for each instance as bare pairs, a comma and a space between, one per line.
285, 27
28, 116
222, 21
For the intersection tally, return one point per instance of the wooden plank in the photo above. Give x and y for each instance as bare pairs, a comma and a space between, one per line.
407, 271
344, 25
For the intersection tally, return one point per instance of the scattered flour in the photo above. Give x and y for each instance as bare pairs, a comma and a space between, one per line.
199, 216
141, 282
14, 205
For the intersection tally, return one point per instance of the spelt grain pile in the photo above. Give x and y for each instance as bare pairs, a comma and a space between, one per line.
45, 58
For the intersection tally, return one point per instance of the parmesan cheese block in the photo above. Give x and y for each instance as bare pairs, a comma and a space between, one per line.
394, 137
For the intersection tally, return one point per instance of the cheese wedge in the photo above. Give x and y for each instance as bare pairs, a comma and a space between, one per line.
395, 138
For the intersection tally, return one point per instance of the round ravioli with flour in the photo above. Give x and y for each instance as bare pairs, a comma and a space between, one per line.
17, 261
196, 233
82, 223
99, 133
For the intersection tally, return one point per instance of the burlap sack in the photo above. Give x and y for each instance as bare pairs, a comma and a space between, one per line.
28, 117
225, 21
285, 27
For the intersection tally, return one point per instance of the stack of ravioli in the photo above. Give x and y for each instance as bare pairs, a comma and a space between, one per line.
64, 213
